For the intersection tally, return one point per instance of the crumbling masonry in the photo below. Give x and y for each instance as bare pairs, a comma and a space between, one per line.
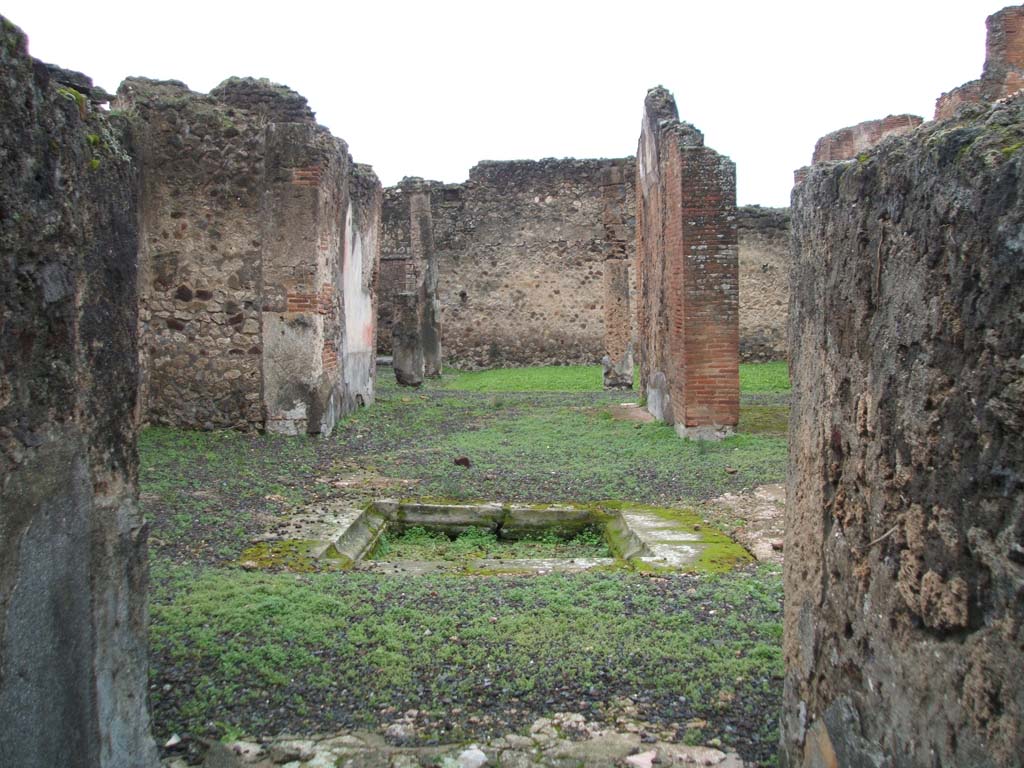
904, 544
257, 262
687, 274
72, 539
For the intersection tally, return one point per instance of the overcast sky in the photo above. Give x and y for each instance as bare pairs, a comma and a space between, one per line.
429, 88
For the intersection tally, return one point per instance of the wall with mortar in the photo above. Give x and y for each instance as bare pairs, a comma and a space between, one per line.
904, 546
687, 274
73, 566
245, 225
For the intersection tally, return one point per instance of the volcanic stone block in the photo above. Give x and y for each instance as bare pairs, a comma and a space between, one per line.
73, 566
904, 543
687, 275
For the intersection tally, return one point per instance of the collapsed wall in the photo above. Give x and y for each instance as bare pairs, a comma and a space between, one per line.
73, 564
253, 217
530, 257
1003, 73
905, 529
687, 274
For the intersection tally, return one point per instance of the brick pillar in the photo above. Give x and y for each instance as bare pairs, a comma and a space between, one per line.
688, 273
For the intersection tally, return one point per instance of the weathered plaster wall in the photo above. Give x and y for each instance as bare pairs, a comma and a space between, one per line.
245, 225
359, 278
687, 274
1003, 73
72, 540
904, 568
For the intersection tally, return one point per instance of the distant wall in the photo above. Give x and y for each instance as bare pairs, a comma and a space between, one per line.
532, 258
764, 265
520, 250
73, 566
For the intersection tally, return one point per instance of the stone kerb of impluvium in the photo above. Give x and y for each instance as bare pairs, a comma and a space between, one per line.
416, 311
687, 275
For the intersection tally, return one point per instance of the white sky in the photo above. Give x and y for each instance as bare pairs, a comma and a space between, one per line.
429, 88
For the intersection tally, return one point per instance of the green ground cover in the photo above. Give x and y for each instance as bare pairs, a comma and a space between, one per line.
258, 652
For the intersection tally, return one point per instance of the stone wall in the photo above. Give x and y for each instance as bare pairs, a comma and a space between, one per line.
1003, 73
904, 640
248, 215
687, 274
521, 250
73, 564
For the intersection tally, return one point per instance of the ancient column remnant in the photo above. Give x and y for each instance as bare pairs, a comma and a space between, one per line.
905, 529
73, 566
414, 322
618, 331
1003, 73
258, 259
687, 274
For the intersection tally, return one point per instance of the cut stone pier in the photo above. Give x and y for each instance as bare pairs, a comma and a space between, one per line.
415, 322
687, 275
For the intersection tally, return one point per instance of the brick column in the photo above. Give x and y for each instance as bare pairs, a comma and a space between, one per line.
688, 275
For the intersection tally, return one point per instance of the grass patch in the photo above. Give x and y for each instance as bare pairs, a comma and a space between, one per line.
417, 543
764, 377
550, 378
273, 652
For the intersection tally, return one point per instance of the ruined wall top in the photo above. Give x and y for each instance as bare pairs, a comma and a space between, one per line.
1004, 43
533, 173
847, 143
1003, 72
278, 103
266, 101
